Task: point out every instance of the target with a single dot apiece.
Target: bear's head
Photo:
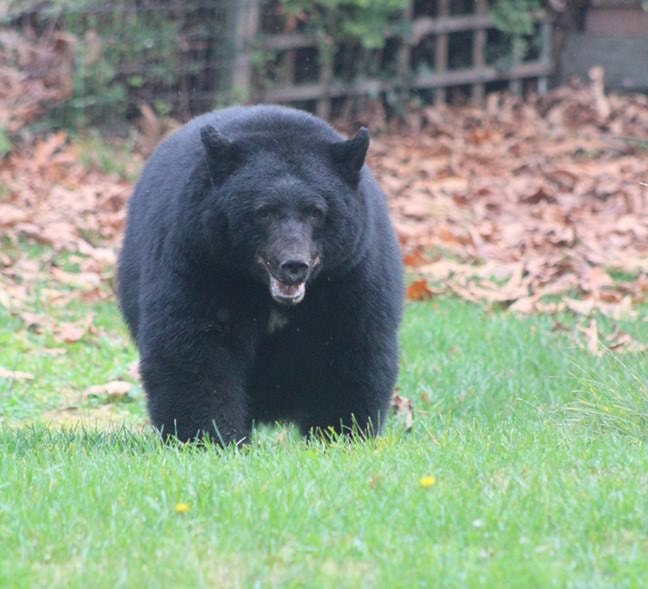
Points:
(290, 203)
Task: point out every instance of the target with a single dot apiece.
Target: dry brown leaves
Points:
(110, 392)
(56, 201)
(15, 374)
(536, 206)
(597, 344)
(49, 197)
(35, 73)
(404, 408)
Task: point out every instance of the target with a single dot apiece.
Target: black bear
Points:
(261, 279)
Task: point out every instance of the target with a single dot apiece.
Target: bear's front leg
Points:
(191, 404)
(352, 409)
(352, 396)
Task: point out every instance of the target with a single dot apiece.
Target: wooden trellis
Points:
(439, 28)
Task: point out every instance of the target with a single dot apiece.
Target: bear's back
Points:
(252, 123)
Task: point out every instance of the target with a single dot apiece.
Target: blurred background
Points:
(109, 63)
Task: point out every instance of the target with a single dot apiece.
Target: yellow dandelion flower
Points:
(182, 507)
(427, 481)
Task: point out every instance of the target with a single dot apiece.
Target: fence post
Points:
(323, 104)
(515, 85)
(245, 31)
(405, 51)
(479, 48)
(441, 54)
(545, 53)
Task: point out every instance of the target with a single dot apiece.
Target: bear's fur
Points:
(237, 217)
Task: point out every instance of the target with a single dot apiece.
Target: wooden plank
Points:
(424, 26)
(315, 90)
(530, 69)
(421, 27)
(616, 3)
(422, 81)
(246, 26)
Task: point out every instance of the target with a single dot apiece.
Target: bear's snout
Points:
(293, 271)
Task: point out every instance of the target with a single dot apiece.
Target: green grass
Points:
(534, 486)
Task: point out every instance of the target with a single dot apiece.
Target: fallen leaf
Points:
(72, 332)
(403, 408)
(15, 374)
(591, 337)
(134, 371)
(79, 280)
(623, 342)
(112, 391)
(69, 332)
(415, 259)
(11, 215)
(54, 352)
(35, 322)
(525, 305)
(418, 290)
(582, 306)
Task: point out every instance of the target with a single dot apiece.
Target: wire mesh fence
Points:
(109, 58)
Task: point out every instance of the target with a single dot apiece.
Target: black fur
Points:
(236, 205)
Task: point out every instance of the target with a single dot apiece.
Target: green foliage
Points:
(129, 51)
(169, 53)
(514, 16)
(366, 21)
(363, 21)
(117, 53)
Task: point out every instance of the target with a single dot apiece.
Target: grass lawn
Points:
(527, 466)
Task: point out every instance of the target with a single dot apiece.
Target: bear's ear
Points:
(350, 155)
(222, 153)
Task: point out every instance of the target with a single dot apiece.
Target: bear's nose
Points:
(293, 271)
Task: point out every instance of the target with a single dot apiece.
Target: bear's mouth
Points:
(287, 294)
(284, 292)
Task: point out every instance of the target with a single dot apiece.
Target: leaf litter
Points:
(536, 206)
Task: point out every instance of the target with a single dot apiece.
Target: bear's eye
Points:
(262, 213)
(316, 213)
